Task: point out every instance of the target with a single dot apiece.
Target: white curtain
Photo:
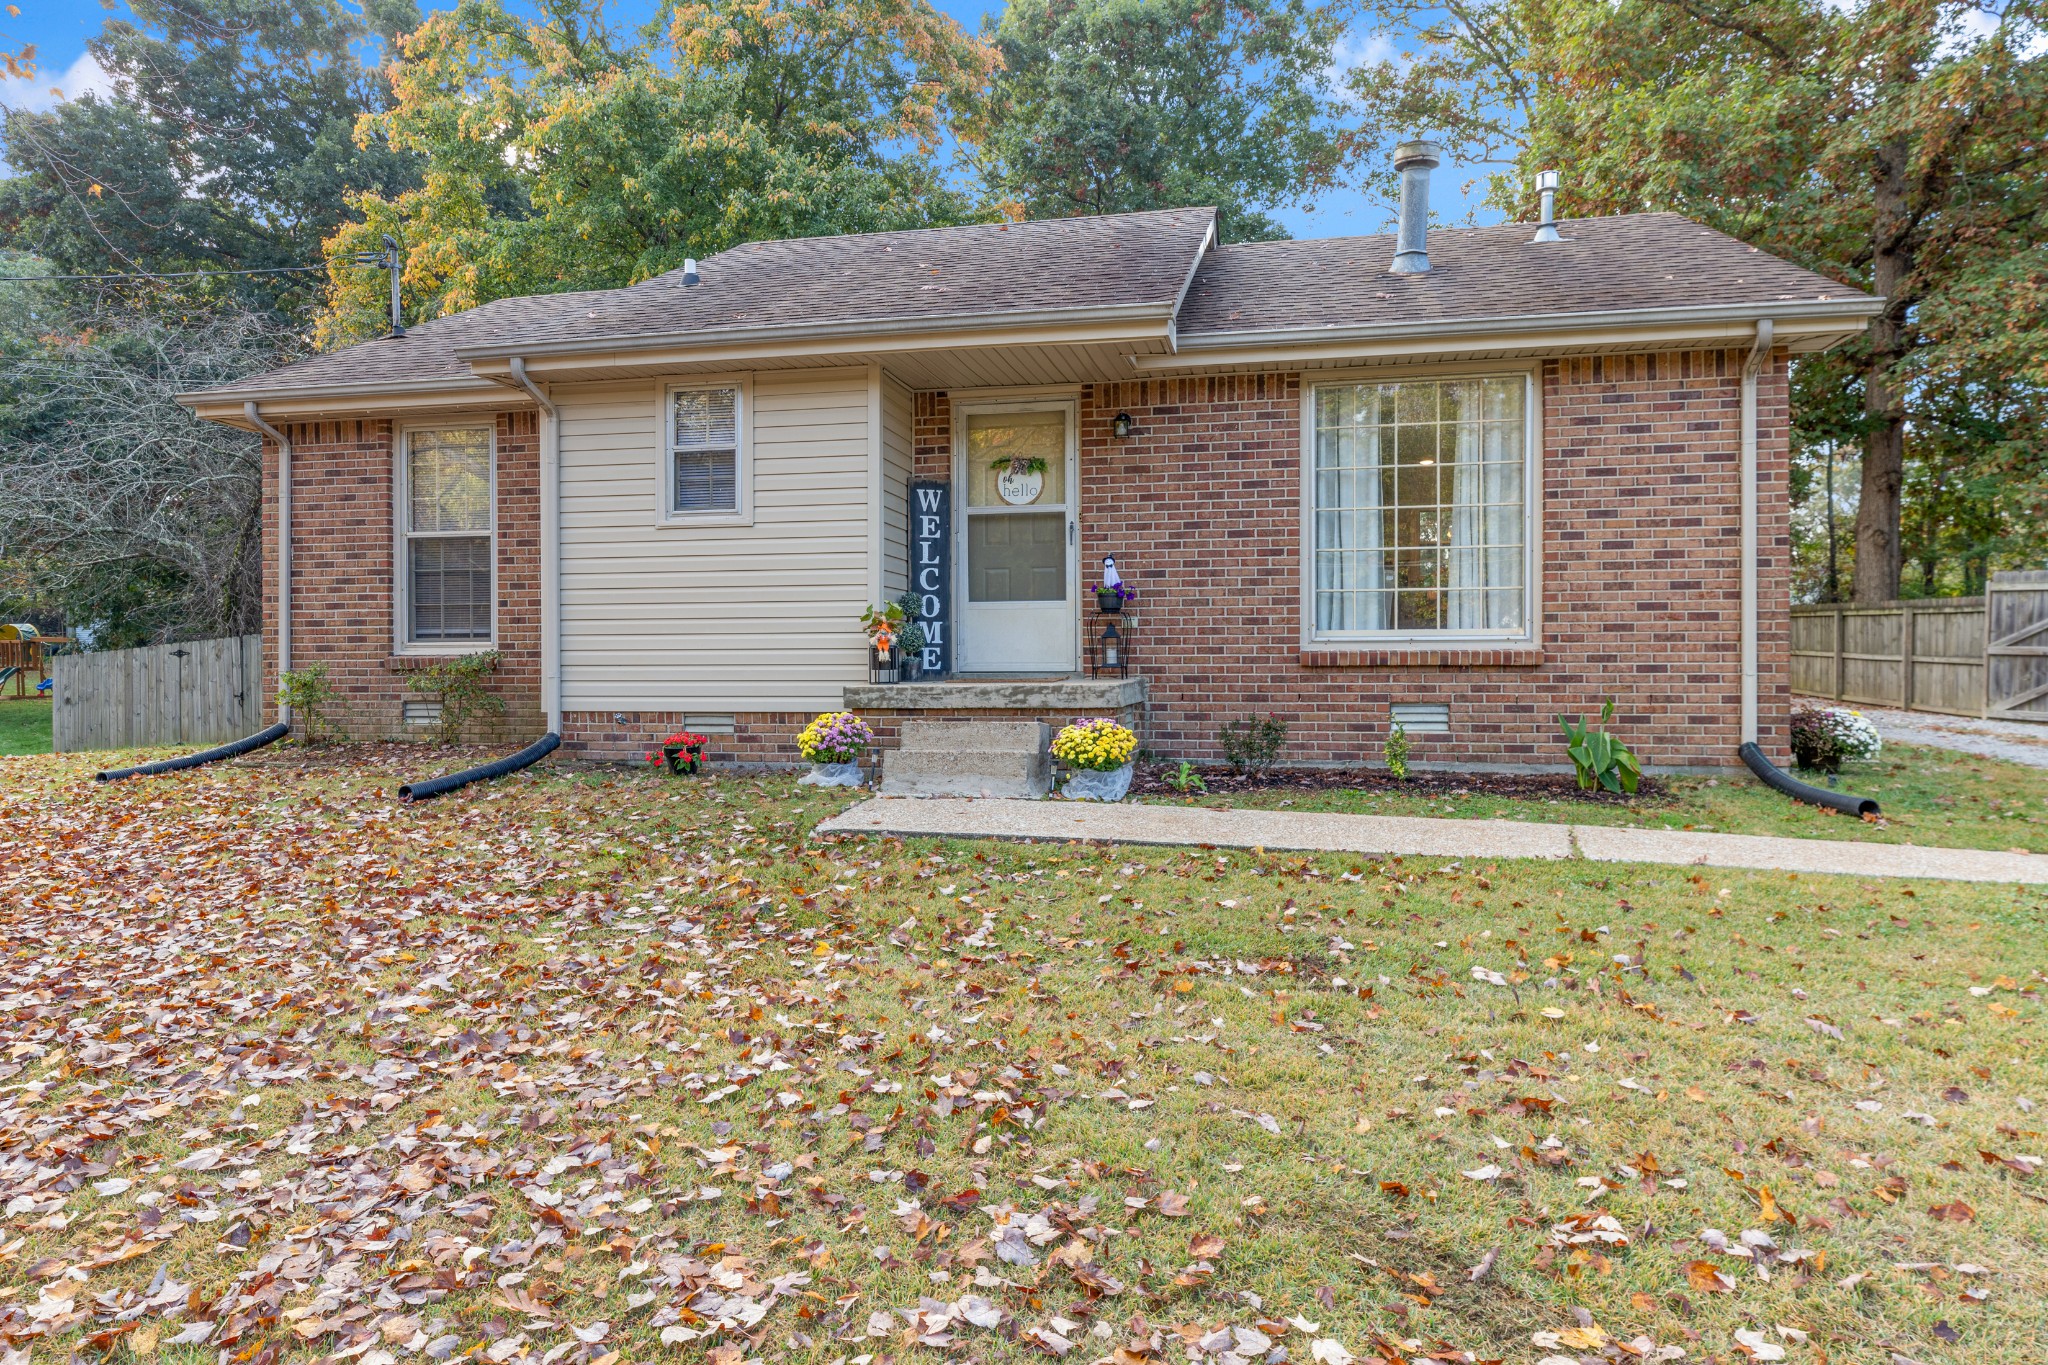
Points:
(1484, 588)
(1350, 565)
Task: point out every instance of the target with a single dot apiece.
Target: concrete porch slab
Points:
(1081, 696)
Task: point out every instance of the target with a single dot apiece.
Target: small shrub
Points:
(1186, 780)
(1096, 746)
(460, 685)
(1253, 744)
(1395, 751)
(307, 693)
(1599, 758)
(1825, 737)
(835, 737)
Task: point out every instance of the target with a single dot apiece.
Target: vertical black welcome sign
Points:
(931, 570)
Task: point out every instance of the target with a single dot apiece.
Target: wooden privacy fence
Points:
(1968, 656)
(195, 693)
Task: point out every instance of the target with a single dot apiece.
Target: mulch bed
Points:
(1151, 780)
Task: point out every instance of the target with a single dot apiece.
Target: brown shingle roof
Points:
(1634, 261)
(1134, 261)
(426, 354)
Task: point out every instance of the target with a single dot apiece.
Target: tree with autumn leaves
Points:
(1897, 146)
(558, 153)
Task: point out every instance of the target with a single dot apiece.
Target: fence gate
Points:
(2016, 645)
(198, 692)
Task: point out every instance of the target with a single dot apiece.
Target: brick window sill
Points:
(1522, 657)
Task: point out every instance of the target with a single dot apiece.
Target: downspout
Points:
(284, 545)
(550, 547)
(1759, 353)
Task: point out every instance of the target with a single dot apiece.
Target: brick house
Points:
(1469, 479)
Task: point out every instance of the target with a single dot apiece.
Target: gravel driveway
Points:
(2016, 741)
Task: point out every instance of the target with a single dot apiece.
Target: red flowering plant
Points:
(682, 751)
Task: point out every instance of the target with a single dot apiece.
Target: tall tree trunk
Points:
(1878, 554)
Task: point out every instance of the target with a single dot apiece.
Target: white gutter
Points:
(1759, 353)
(284, 546)
(550, 548)
(937, 326)
(1854, 308)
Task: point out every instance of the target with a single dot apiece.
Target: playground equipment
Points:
(25, 650)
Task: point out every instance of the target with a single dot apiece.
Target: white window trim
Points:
(1532, 511)
(743, 458)
(401, 562)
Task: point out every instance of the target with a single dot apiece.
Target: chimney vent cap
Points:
(1428, 155)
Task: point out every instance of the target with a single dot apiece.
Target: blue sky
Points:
(59, 29)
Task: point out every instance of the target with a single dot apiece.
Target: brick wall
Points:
(1640, 567)
(343, 482)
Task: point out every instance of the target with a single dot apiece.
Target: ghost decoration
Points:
(1110, 577)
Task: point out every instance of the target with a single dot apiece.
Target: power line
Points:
(166, 275)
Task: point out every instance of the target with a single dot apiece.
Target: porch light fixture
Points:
(1121, 426)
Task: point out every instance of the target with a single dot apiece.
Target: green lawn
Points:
(24, 726)
(1930, 796)
(598, 1066)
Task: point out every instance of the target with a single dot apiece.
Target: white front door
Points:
(1016, 480)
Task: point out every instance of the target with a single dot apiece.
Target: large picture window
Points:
(445, 530)
(1419, 507)
(704, 451)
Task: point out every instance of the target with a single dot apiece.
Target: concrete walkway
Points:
(965, 818)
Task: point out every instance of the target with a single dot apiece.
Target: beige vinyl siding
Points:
(715, 618)
(895, 488)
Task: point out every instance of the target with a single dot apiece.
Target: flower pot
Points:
(1108, 602)
(683, 760)
(1086, 785)
(833, 775)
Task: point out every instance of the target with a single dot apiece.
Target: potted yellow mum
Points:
(1098, 754)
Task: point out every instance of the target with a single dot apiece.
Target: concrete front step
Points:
(966, 772)
(948, 736)
(969, 758)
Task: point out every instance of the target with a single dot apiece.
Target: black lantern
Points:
(1121, 426)
(1113, 649)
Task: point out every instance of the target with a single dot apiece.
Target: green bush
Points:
(1600, 759)
(459, 685)
(1395, 751)
(1253, 744)
(307, 693)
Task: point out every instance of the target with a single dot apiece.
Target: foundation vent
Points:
(422, 712)
(710, 725)
(1420, 717)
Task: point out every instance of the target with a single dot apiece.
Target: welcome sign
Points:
(931, 570)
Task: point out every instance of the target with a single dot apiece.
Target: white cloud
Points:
(48, 88)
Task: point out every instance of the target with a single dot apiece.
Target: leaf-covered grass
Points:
(1933, 797)
(24, 726)
(557, 1067)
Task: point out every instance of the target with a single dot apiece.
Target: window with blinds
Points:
(445, 527)
(704, 451)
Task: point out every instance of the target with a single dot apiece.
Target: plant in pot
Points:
(833, 744)
(1099, 753)
(910, 640)
(1111, 597)
(682, 751)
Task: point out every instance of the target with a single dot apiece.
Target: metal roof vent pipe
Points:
(1414, 160)
(690, 275)
(1546, 189)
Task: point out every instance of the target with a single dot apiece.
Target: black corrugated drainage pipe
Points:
(1800, 791)
(440, 786)
(172, 765)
